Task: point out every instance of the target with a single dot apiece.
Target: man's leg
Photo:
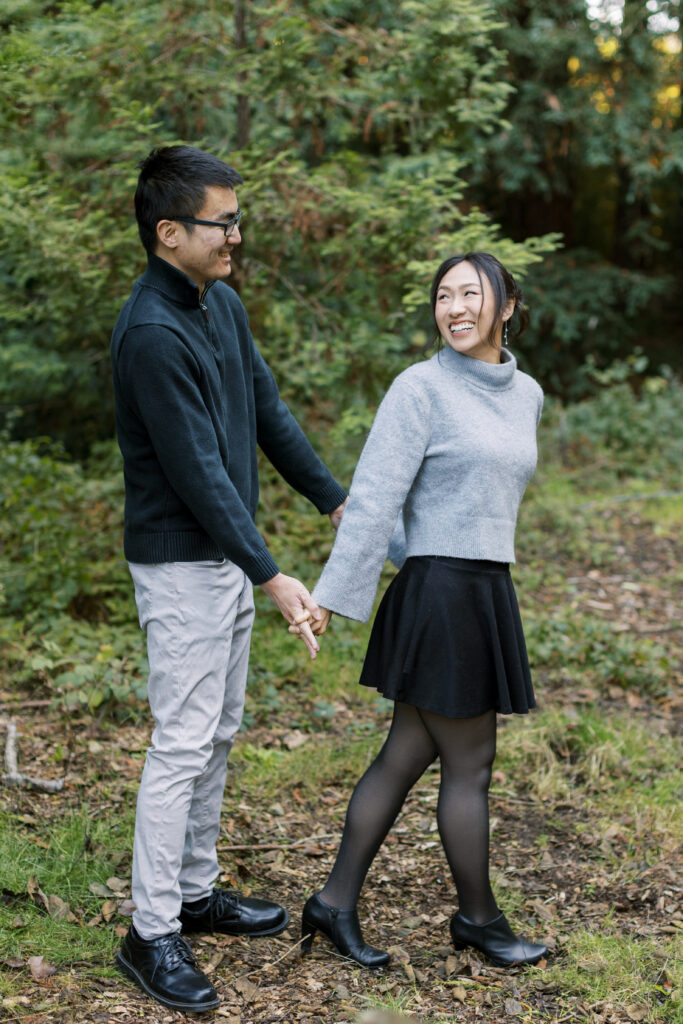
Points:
(189, 611)
(199, 869)
(204, 907)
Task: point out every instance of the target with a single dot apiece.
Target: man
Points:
(193, 399)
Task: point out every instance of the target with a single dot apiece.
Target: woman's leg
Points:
(376, 801)
(466, 748)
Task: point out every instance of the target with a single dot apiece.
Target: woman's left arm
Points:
(388, 465)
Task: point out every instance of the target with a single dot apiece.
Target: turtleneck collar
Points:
(490, 376)
(166, 278)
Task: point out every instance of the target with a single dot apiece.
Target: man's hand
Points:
(336, 516)
(297, 607)
(317, 626)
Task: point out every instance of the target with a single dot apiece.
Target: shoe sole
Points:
(224, 931)
(130, 972)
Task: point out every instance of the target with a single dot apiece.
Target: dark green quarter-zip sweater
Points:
(194, 398)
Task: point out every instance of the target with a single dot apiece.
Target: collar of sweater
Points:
(490, 376)
(173, 283)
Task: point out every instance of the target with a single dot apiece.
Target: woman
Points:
(444, 468)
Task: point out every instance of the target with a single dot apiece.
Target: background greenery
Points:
(374, 138)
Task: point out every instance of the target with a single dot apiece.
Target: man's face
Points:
(202, 252)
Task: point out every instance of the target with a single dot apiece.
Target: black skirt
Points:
(448, 638)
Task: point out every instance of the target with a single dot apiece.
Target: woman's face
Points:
(464, 313)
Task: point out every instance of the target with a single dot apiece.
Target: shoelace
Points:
(176, 952)
(222, 900)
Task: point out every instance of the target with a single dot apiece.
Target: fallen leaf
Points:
(14, 962)
(476, 966)
(57, 908)
(295, 739)
(313, 851)
(513, 1006)
(40, 970)
(637, 1012)
(108, 909)
(127, 908)
(409, 972)
(452, 965)
(459, 993)
(209, 967)
(399, 954)
(117, 885)
(36, 893)
(97, 889)
(409, 924)
(246, 989)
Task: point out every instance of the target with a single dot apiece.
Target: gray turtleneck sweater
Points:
(452, 448)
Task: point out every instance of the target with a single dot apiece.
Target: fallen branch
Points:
(16, 704)
(619, 498)
(12, 776)
(286, 845)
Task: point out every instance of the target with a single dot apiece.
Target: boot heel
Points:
(342, 929)
(307, 935)
(459, 945)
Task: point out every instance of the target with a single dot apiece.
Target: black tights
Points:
(466, 748)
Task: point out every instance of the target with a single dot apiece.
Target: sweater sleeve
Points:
(160, 378)
(540, 406)
(389, 463)
(285, 445)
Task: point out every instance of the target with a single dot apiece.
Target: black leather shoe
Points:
(342, 929)
(496, 939)
(231, 914)
(167, 970)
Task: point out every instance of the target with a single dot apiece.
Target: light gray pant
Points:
(198, 617)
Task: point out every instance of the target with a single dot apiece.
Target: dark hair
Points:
(502, 283)
(172, 183)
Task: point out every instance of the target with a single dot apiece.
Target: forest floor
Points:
(585, 843)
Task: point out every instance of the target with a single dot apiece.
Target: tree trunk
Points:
(242, 97)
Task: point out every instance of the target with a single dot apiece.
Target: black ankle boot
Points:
(342, 929)
(496, 939)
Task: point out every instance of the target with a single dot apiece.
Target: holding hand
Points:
(317, 626)
(297, 607)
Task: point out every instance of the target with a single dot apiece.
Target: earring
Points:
(505, 333)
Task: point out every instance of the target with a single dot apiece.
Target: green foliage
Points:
(67, 614)
(508, 127)
(592, 149)
(592, 756)
(629, 972)
(56, 533)
(617, 432)
(580, 650)
(353, 165)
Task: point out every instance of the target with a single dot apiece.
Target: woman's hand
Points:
(297, 606)
(317, 626)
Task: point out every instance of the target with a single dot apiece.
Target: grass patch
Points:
(588, 756)
(636, 976)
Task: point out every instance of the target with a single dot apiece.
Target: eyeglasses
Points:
(228, 226)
